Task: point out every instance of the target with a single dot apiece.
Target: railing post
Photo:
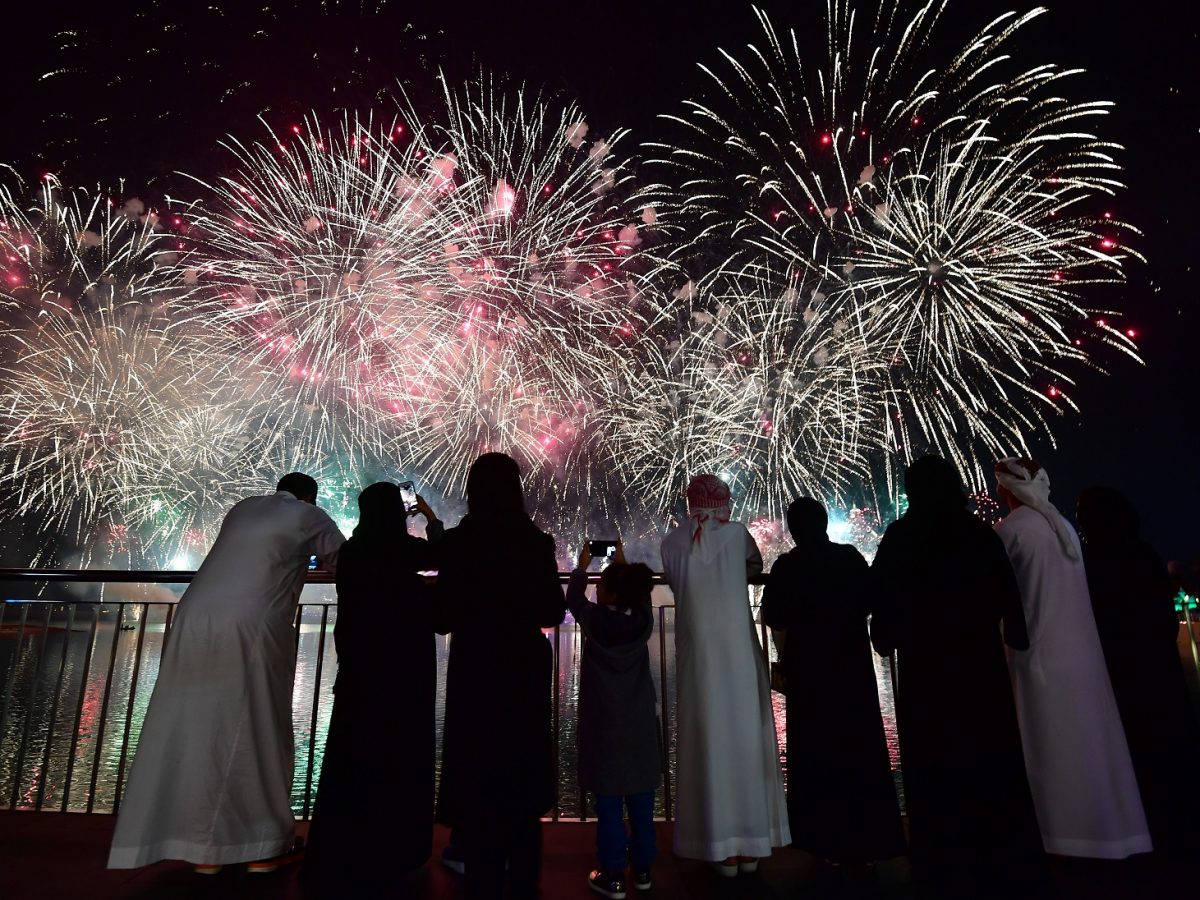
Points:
(9, 680)
(316, 709)
(556, 813)
(58, 686)
(18, 769)
(100, 725)
(133, 683)
(83, 683)
(664, 725)
(577, 654)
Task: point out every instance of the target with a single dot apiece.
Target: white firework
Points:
(945, 208)
(764, 387)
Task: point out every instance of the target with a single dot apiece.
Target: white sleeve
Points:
(326, 542)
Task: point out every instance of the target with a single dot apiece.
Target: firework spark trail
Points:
(537, 317)
(767, 389)
(942, 208)
(426, 290)
(967, 277)
(97, 381)
(848, 264)
(67, 248)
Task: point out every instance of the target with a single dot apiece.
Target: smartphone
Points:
(409, 494)
(602, 549)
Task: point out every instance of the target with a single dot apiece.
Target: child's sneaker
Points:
(610, 884)
(641, 879)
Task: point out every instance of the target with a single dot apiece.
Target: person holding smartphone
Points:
(619, 752)
(385, 642)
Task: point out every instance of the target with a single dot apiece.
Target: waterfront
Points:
(95, 664)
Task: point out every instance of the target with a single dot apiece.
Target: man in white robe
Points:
(1084, 788)
(730, 806)
(211, 780)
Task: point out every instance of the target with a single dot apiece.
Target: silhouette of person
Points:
(497, 588)
(211, 782)
(943, 586)
(385, 643)
(841, 795)
(1134, 605)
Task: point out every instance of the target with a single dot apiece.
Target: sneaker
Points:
(263, 866)
(641, 879)
(452, 860)
(207, 870)
(747, 864)
(609, 884)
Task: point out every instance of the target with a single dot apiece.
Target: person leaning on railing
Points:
(211, 781)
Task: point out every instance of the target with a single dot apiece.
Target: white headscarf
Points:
(1034, 491)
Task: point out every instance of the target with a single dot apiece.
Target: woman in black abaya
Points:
(498, 587)
(373, 816)
(841, 797)
(943, 586)
(1134, 605)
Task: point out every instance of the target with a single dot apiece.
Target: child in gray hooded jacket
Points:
(619, 746)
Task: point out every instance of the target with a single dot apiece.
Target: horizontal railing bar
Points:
(183, 576)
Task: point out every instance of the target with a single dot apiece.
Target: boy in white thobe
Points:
(211, 781)
(1084, 788)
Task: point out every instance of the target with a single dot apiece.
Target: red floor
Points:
(53, 855)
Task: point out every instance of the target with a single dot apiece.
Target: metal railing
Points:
(78, 673)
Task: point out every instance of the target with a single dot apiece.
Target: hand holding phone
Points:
(605, 549)
(408, 493)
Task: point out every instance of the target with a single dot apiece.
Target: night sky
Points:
(142, 89)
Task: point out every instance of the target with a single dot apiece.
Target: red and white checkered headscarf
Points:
(708, 504)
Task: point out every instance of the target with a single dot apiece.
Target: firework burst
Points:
(944, 209)
(97, 382)
(764, 388)
(82, 412)
(425, 290)
(536, 312)
(295, 273)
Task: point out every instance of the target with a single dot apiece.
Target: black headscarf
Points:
(1106, 518)
(381, 511)
(933, 487)
(808, 522)
(494, 488)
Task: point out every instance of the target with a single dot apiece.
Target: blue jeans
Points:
(611, 839)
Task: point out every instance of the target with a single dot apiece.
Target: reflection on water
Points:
(96, 665)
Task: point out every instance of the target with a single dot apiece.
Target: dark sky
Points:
(145, 88)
